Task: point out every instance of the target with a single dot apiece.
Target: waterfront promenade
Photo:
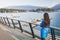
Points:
(22, 30)
(5, 36)
(7, 33)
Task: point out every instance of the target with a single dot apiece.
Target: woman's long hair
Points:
(47, 19)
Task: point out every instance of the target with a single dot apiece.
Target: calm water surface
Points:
(54, 16)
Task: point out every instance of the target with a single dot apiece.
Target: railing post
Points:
(4, 20)
(0, 19)
(20, 26)
(13, 23)
(53, 34)
(32, 30)
(8, 21)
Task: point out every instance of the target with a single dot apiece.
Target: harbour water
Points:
(27, 16)
(54, 17)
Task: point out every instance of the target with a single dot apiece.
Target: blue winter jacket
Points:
(43, 31)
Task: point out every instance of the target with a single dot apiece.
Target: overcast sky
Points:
(44, 3)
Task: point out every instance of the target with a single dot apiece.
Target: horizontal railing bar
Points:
(20, 20)
(55, 28)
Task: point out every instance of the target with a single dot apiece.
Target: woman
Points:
(44, 26)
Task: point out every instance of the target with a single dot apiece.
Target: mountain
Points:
(27, 7)
(56, 7)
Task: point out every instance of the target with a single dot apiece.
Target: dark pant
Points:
(42, 38)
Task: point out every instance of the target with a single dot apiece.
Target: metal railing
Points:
(6, 21)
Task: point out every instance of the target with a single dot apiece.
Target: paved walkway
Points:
(7, 33)
(5, 36)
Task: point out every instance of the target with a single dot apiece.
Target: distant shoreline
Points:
(23, 10)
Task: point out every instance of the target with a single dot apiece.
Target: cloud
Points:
(47, 3)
